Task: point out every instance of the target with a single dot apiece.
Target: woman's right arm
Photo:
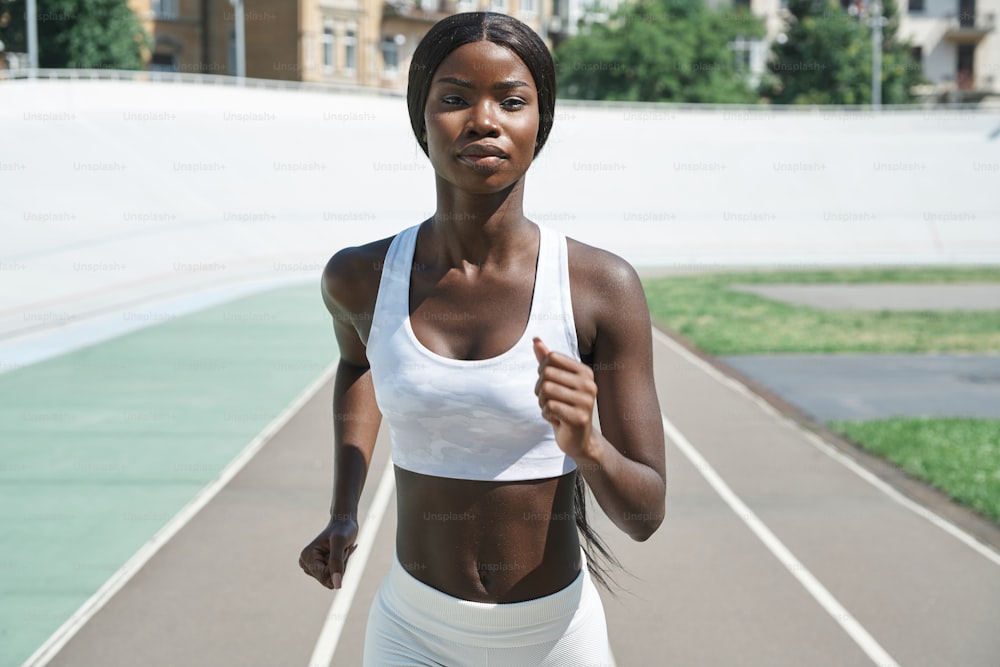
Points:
(347, 294)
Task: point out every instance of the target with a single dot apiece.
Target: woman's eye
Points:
(513, 103)
(452, 99)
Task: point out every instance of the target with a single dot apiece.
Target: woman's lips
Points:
(482, 161)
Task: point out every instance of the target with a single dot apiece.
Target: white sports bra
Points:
(476, 419)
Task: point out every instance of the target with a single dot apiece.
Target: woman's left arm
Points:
(624, 465)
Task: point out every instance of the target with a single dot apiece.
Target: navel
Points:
(485, 576)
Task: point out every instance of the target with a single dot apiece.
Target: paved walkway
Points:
(775, 551)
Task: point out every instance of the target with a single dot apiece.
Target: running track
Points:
(775, 551)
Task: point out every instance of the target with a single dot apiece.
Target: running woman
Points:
(484, 340)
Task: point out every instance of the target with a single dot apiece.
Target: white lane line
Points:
(88, 609)
(819, 592)
(833, 452)
(915, 507)
(326, 645)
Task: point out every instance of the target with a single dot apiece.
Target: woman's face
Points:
(481, 118)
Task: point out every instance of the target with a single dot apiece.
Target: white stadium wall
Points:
(119, 190)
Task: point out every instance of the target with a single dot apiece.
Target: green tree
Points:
(827, 58)
(900, 72)
(660, 50)
(78, 33)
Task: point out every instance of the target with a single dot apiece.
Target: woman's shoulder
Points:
(351, 276)
(594, 268)
(609, 301)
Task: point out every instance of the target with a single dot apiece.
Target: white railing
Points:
(191, 77)
(979, 22)
(699, 107)
(65, 74)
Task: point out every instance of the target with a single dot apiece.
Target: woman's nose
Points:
(482, 121)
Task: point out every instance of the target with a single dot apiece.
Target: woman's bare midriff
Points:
(485, 541)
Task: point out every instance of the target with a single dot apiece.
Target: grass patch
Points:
(718, 320)
(959, 456)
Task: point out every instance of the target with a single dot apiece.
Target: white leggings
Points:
(413, 624)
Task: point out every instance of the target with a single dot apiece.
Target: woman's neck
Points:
(475, 230)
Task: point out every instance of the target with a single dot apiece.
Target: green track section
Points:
(100, 447)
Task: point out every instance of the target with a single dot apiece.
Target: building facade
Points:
(374, 43)
(356, 42)
(956, 42)
(177, 28)
(370, 43)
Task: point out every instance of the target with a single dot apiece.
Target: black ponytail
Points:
(599, 556)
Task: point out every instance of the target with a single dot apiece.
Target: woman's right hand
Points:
(326, 556)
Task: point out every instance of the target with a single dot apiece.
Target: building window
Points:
(741, 47)
(967, 13)
(166, 55)
(916, 5)
(232, 51)
(163, 62)
(390, 56)
(328, 57)
(498, 6)
(966, 72)
(529, 7)
(350, 50)
(466, 5)
(165, 9)
(749, 58)
(917, 53)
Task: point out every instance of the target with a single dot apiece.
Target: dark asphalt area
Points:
(879, 386)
